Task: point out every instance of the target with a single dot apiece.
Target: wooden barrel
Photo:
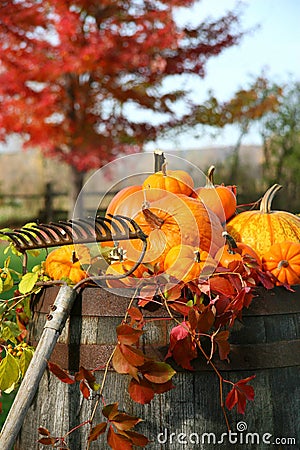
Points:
(265, 343)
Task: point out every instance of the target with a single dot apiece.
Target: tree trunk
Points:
(76, 206)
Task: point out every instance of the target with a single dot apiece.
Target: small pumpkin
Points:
(262, 228)
(235, 251)
(187, 263)
(220, 198)
(66, 262)
(283, 261)
(176, 181)
(118, 268)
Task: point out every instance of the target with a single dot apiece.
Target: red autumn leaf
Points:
(137, 439)
(157, 372)
(123, 421)
(141, 391)
(47, 441)
(135, 314)
(122, 365)
(63, 375)
(206, 320)
(172, 292)
(221, 285)
(96, 431)
(181, 347)
(109, 411)
(221, 339)
(84, 389)
(43, 431)
(239, 394)
(88, 376)
(193, 317)
(180, 306)
(133, 355)
(118, 441)
(160, 388)
(128, 335)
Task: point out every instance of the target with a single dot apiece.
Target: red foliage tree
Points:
(71, 70)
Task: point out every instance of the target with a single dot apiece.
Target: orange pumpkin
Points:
(127, 202)
(66, 262)
(120, 268)
(262, 228)
(219, 199)
(283, 261)
(173, 220)
(187, 263)
(234, 251)
(176, 181)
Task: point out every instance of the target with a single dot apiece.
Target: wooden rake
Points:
(75, 231)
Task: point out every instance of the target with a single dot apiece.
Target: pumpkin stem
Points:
(230, 241)
(145, 203)
(75, 258)
(210, 177)
(197, 256)
(283, 263)
(164, 168)
(265, 205)
(159, 159)
(152, 218)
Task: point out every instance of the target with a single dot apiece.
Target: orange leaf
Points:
(123, 421)
(141, 391)
(63, 376)
(157, 372)
(118, 442)
(136, 438)
(128, 335)
(97, 431)
(109, 411)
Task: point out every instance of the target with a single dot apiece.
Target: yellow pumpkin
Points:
(176, 181)
(187, 263)
(262, 228)
(66, 262)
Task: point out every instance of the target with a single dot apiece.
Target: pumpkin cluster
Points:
(192, 231)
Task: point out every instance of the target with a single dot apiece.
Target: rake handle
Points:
(52, 329)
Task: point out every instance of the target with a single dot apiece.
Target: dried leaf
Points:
(205, 320)
(136, 438)
(141, 391)
(61, 374)
(123, 421)
(221, 339)
(109, 411)
(157, 372)
(118, 441)
(43, 431)
(96, 431)
(128, 335)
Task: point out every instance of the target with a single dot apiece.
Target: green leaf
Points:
(25, 359)
(9, 331)
(9, 372)
(27, 282)
(7, 279)
(1, 285)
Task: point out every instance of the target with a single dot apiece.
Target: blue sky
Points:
(273, 47)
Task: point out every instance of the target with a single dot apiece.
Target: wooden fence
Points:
(51, 205)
